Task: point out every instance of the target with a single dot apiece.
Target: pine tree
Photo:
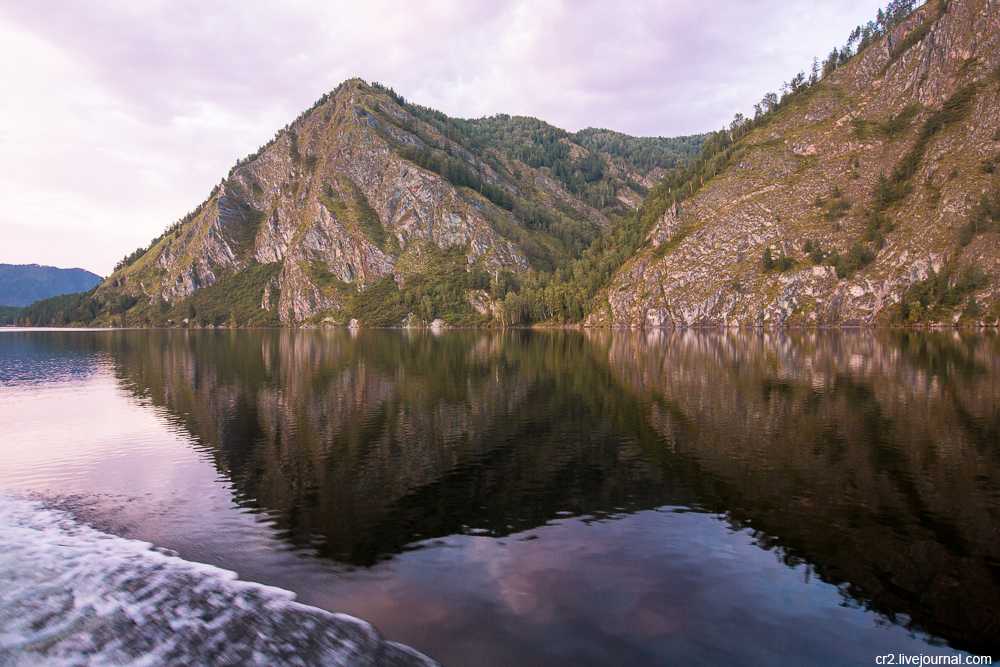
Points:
(831, 62)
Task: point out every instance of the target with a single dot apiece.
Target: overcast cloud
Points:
(116, 118)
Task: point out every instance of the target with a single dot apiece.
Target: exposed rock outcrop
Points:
(703, 261)
(349, 193)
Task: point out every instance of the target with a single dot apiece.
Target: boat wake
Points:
(70, 594)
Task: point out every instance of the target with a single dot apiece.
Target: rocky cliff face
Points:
(921, 107)
(338, 202)
(301, 204)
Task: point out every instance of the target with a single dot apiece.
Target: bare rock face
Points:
(364, 186)
(334, 205)
(702, 263)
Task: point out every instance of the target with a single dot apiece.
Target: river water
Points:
(498, 498)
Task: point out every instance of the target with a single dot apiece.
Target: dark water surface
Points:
(547, 498)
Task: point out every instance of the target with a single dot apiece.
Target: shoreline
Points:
(848, 326)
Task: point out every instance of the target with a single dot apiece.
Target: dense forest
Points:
(540, 145)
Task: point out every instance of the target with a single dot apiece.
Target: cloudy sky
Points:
(116, 118)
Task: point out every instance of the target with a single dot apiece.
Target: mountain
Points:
(22, 284)
(370, 207)
(871, 196)
(866, 193)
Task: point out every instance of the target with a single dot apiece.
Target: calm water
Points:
(546, 498)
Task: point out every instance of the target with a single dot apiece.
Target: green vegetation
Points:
(457, 172)
(913, 37)
(896, 187)
(885, 20)
(233, 300)
(333, 203)
(780, 265)
(9, 314)
(356, 211)
(890, 129)
(244, 233)
(642, 153)
(134, 256)
(835, 206)
(876, 227)
(540, 145)
(892, 189)
(568, 293)
(814, 251)
(378, 305)
(718, 151)
(324, 279)
(985, 218)
(434, 285)
(555, 230)
(75, 308)
(936, 297)
(858, 257)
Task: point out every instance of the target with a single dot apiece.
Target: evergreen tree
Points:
(767, 261)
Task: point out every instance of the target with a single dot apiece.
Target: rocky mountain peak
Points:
(366, 197)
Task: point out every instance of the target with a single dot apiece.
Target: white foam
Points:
(70, 595)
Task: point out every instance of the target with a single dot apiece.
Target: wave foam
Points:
(70, 594)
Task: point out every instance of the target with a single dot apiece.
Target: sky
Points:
(117, 118)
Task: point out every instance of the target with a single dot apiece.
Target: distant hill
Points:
(23, 284)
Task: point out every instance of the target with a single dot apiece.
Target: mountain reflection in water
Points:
(871, 460)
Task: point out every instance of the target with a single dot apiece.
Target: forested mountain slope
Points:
(370, 207)
(870, 196)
